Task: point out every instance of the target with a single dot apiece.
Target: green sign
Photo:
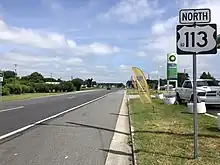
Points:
(171, 71)
(171, 66)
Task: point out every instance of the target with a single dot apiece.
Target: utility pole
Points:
(15, 70)
(51, 77)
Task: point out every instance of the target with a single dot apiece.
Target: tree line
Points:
(153, 84)
(35, 82)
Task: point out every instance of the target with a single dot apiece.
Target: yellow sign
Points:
(142, 85)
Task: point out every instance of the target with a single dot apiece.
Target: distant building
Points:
(52, 82)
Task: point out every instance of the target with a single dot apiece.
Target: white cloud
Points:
(141, 54)
(101, 66)
(50, 40)
(163, 39)
(132, 11)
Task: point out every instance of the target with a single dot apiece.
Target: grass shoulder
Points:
(164, 135)
(27, 96)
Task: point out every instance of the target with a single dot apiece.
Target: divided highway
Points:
(80, 137)
(17, 114)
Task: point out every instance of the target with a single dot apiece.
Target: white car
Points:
(208, 91)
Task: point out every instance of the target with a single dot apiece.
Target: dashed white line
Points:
(49, 118)
(11, 109)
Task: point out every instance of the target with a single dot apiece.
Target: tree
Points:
(9, 74)
(34, 77)
(129, 84)
(89, 82)
(205, 75)
(77, 82)
(182, 77)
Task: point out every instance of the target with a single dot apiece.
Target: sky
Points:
(99, 39)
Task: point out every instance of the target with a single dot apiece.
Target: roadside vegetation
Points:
(35, 85)
(164, 135)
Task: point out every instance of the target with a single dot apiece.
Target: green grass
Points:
(26, 96)
(165, 135)
(132, 92)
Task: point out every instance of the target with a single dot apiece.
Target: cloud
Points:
(163, 39)
(53, 5)
(101, 66)
(50, 40)
(141, 54)
(132, 11)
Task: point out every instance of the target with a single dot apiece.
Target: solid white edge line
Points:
(207, 114)
(51, 117)
(11, 109)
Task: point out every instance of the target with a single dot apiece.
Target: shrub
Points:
(67, 86)
(14, 88)
(5, 91)
(57, 88)
(39, 87)
(25, 89)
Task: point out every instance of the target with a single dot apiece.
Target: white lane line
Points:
(49, 118)
(71, 97)
(207, 114)
(11, 109)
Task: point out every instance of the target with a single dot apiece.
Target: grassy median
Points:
(165, 135)
(26, 96)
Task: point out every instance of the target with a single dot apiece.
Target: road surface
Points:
(17, 114)
(80, 137)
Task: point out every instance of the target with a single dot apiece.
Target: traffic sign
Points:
(190, 16)
(196, 39)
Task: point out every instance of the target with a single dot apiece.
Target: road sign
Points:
(199, 39)
(190, 16)
(1, 76)
(171, 66)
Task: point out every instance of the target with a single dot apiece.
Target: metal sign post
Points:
(197, 37)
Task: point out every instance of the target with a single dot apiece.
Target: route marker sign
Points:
(190, 16)
(199, 39)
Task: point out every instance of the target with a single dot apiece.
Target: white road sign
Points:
(190, 16)
(199, 39)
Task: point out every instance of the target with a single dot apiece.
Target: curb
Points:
(131, 132)
(119, 142)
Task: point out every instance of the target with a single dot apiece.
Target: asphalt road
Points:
(17, 114)
(80, 137)
(213, 109)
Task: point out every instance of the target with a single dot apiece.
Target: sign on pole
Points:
(197, 37)
(191, 16)
(171, 66)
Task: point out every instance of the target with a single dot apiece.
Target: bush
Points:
(67, 86)
(57, 88)
(25, 89)
(5, 91)
(32, 89)
(14, 88)
(39, 87)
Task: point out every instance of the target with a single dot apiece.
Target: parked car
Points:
(208, 91)
(108, 88)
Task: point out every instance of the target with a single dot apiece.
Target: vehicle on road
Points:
(108, 88)
(208, 91)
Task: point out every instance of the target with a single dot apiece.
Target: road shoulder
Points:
(120, 152)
